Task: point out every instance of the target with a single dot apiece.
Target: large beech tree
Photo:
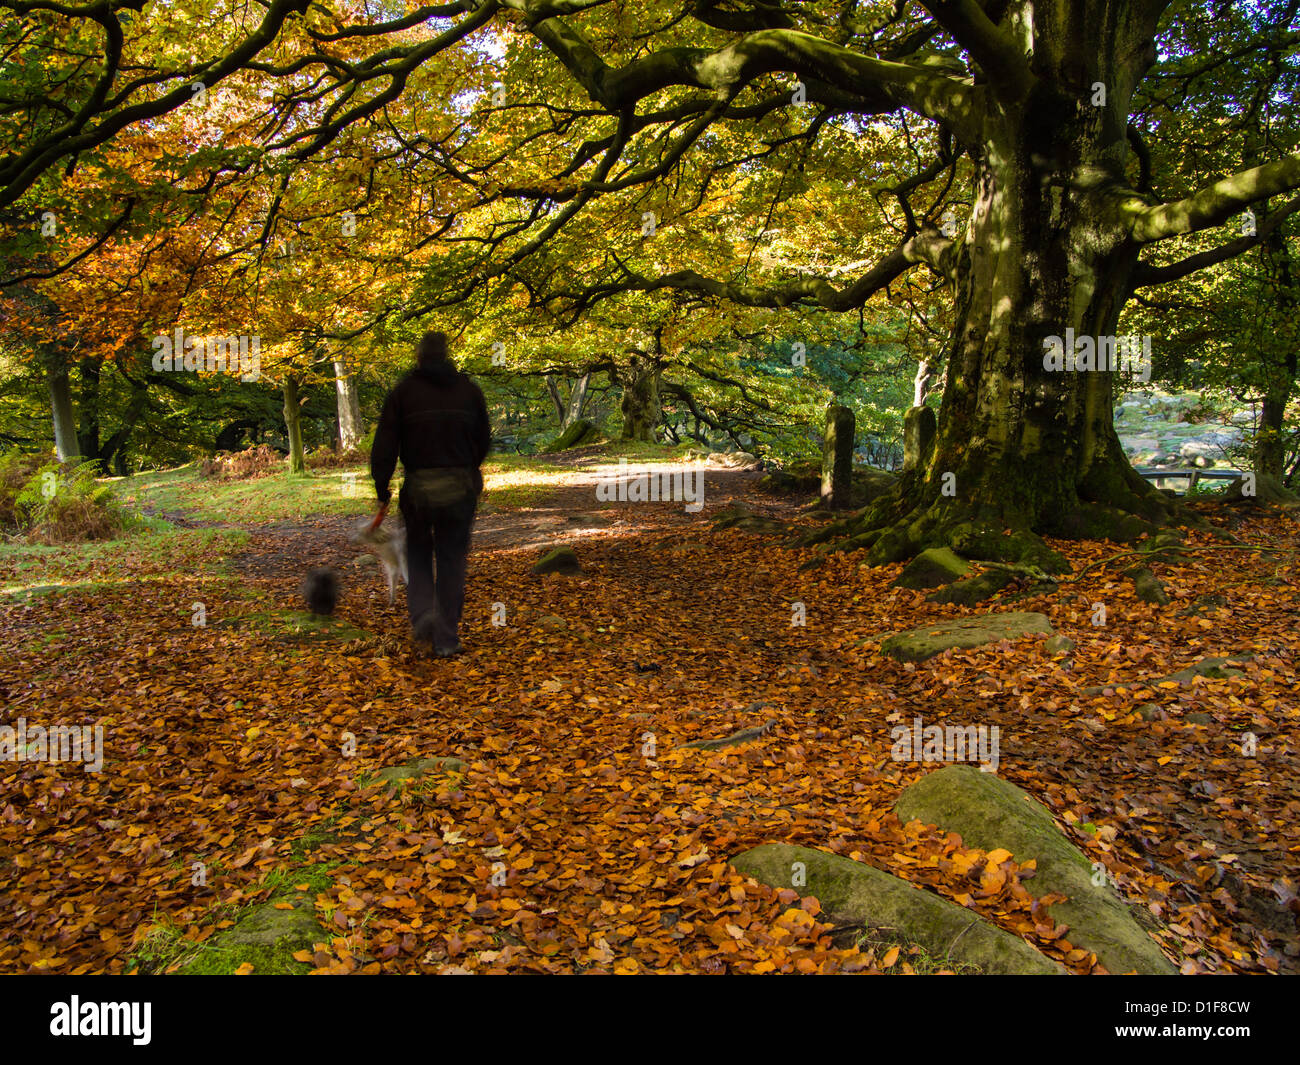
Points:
(1059, 233)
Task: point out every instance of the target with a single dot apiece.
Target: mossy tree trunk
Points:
(641, 406)
(66, 446)
(1020, 448)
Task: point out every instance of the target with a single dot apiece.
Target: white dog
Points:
(389, 546)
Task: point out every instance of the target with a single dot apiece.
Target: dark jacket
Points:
(433, 418)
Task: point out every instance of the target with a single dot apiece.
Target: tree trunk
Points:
(349, 417)
(65, 423)
(1023, 448)
(641, 407)
(293, 425)
(88, 435)
(570, 410)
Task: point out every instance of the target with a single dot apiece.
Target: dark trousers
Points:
(437, 532)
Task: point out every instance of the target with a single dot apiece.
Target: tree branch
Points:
(1217, 203)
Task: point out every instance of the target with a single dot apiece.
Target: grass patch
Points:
(260, 934)
(155, 551)
(295, 625)
(276, 497)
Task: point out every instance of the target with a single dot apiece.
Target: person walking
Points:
(435, 420)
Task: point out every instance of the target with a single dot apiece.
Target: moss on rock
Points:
(932, 568)
(924, 642)
(857, 893)
(990, 813)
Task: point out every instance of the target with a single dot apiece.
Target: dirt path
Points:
(565, 514)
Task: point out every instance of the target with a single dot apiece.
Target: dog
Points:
(321, 589)
(389, 546)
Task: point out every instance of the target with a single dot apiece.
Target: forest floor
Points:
(580, 833)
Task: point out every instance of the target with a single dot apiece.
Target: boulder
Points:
(857, 893)
(1058, 645)
(733, 460)
(990, 813)
(559, 560)
(932, 568)
(925, 641)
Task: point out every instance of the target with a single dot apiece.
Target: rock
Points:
(733, 460)
(559, 560)
(1058, 645)
(932, 568)
(924, 642)
(745, 735)
(857, 893)
(990, 813)
(265, 937)
(1215, 668)
(552, 623)
(401, 774)
(742, 517)
(1198, 718)
(1151, 712)
(837, 457)
(365, 560)
(919, 425)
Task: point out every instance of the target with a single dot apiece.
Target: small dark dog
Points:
(321, 590)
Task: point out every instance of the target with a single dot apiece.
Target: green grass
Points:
(151, 551)
(275, 497)
(510, 481)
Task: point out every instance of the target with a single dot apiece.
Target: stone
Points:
(265, 937)
(837, 457)
(558, 560)
(991, 813)
(932, 568)
(745, 735)
(414, 770)
(1058, 645)
(552, 623)
(1198, 717)
(1215, 668)
(918, 437)
(1151, 712)
(854, 893)
(734, 460)
(926, 641)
